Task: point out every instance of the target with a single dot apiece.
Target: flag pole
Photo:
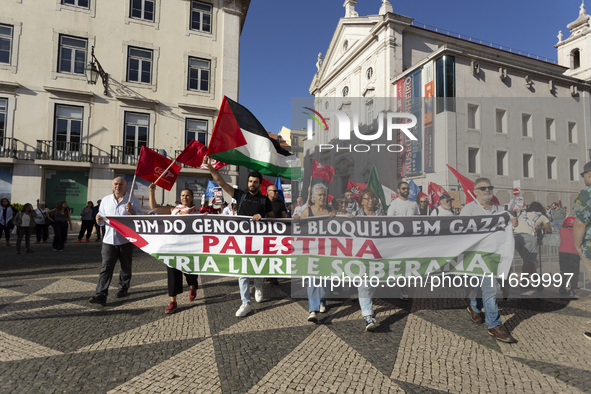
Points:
(132, 185)
(165, 171)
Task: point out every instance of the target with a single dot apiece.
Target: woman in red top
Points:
(568, 258)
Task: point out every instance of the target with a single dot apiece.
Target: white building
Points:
(169, 64)
(488, 111)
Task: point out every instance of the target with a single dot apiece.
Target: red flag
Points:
(434, 191)
(468, 186)
(264, 186)
(151, 164)
(356, 188)
(330, 197)
(193, 155)
(322, 171)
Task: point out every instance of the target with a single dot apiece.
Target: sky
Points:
(281, 39)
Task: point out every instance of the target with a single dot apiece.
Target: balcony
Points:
(8, 147)
(63, 151)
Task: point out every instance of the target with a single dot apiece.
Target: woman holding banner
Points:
(175, 277)
(319, 196)
(368, 207)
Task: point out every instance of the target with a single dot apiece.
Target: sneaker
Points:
(370, 323)
(312, 317)
(322, 308)
(171, 308)
(87, 240)
(587, 335)
(244, 309)
(501, 334)
(29, 251)
(79, 240)
(404, 295)
(258, 294)
(98, 300)
(192, 294)
(572, 293)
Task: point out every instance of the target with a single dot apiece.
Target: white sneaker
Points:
(258, 294)
(322, 308)
(244, 310)
(312, 318)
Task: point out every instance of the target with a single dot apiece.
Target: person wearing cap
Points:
(582, 228)
(568, 258)
(444, 208)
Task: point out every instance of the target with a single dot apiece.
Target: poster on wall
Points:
(400, 108)
(412, 104)
(6, 183)
(428, 101)
(69, 186)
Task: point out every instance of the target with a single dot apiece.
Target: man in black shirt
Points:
(250, 203)
(279, 209)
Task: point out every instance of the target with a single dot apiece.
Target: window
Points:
(139, 65)
(572, 132)
(445, 88)
(68, 127)
(142, 9)
(369, 110)
(196, 129)
(527, 166)
(3, 114)
(574, 169)
(369, 73)
(575, 58)
(201, 16)
(72, 55)
(345, 91)
(473, 117)
(199, 71)
(526, 127)
(551, 167)
(77, 3)
(136, 132)
(550, 130)
(345, 46)
(5, 43)
(501, 162)
(473, 160)
(501, 121)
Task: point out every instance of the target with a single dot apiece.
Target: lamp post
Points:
(94, 69)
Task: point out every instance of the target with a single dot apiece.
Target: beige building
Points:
(165, 67)
(484, 110)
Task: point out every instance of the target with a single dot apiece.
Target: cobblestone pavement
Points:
(53, 340)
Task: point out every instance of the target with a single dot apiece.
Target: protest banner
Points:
(380, 247)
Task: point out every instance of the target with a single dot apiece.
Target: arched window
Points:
(575, 58)
(345, 45)
(345, 91)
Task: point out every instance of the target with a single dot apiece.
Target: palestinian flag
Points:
(239, 138)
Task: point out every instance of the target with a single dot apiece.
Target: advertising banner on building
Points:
(69, 186)
(400, 141)
(413, 104)
(428, 111)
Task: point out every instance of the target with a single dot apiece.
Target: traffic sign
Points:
(516, 192)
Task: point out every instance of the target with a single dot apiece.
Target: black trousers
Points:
(175, 281)
(60, 233)
(42, 232)
(86, 226)
(110, 255)
(569, 264)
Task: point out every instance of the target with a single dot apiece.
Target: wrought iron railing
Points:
(8, 147)
(63, 151)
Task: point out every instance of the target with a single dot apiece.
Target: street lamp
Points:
(94, 69)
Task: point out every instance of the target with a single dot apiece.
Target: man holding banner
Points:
(250, 203)
(115, 246)
(482, 205)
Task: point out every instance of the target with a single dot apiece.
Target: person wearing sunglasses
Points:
(483, 205)
(582, 227)
(444, 208)
(424, 208)
(402, 206)
(279, 209)
(339, 206)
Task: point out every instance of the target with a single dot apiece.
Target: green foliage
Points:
(17, 206)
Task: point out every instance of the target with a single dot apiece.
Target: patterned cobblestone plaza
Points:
(53, 340)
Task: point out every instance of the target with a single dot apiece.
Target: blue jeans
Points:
(365, 301)
(315, 296)
(488, 301)
(243, 282)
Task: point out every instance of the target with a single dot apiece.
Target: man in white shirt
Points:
(402, 206)
(300, 207)
(115, 246)
(444, 208)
